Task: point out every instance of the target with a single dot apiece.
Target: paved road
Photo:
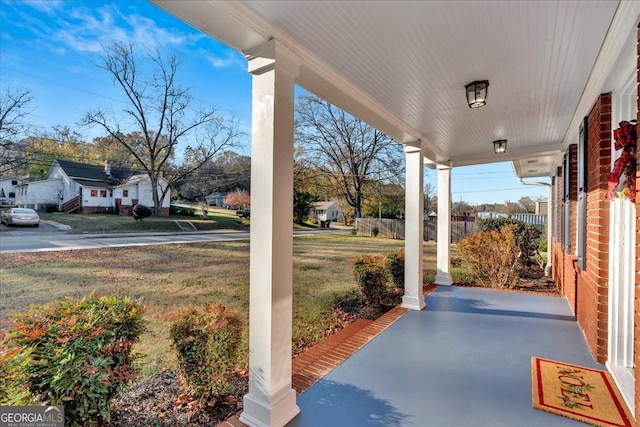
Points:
(50, 239)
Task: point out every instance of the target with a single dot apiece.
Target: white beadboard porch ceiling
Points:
(402, 65)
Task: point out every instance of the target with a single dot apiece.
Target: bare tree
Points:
(228, 171)
(160, 112)
(14, 111)
(527, 204)
(430, 198)
(349, 152)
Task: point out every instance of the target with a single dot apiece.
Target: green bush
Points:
(140, 212)
(395, 266)
(491, 256)
(72, 353)
(375, 231)
(527, 236)
(542, 242)
(207, 341)
(182, 210)
(371, 275)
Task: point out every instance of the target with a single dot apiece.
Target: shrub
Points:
(492, 257)
(49, 207)
(72, 353)
(395, 266)
(526, 235)
(375, 231)
(207, 341)
(141, 211)
(182, 210)
(542, 242)
(370, 273)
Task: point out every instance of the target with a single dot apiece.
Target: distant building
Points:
(8, 187)
(491, 215)
(217, 199)
(85, 188)
(542, 207)
(325, 211)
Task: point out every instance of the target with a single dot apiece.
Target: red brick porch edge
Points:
(308, 367)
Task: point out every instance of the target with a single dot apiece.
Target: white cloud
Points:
(228, 59)
(85, 29)
(47, 6)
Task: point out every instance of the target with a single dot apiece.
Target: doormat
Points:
(576, 392)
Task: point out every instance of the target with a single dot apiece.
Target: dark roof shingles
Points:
(93, 172)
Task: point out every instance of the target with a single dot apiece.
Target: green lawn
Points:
(169, 277)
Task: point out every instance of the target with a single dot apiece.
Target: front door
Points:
(622, 254)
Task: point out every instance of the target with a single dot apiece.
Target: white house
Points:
(86, 188)
(8, 186)
(217, 199)
(39, 194)
(326, 211)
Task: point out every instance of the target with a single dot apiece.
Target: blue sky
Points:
(51, 47)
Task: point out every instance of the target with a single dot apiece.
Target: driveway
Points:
(26, 230)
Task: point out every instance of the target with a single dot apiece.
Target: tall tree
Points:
(384, 200)
(347, 151)
(160, 112)
(61, 142)
(430, 198)
(527, 205)
(226, 172)
(15, 108)
(108, 149)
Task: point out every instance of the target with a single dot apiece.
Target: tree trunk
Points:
(157, 208)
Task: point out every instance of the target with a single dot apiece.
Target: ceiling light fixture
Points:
(477, 93)
(500, 146)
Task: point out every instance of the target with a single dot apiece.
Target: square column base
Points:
(413, 303)
(443, 278)
(258, 413)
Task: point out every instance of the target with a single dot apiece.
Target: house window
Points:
(12, 195)
(125, 193)
(94, 193)
(581, 238)
(14, 182)
(103, 193)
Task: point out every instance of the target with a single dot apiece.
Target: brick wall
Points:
(587, 291)
(97, 210)
(593, 282)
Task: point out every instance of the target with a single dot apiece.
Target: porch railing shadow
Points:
(479, 306)
(338, 404)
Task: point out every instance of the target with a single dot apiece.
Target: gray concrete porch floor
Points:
(463, 361)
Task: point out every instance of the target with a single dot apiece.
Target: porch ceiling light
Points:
(500, 146)
(477, 93)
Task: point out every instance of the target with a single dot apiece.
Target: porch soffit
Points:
(402, 66)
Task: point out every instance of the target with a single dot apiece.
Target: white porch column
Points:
(271, 400)
(414, 227)
(443, 264)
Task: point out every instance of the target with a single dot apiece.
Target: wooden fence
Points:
(394, 228)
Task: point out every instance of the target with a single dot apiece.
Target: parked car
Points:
(244, 213)
(20, 216)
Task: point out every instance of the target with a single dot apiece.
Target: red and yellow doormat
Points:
(576, 392)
